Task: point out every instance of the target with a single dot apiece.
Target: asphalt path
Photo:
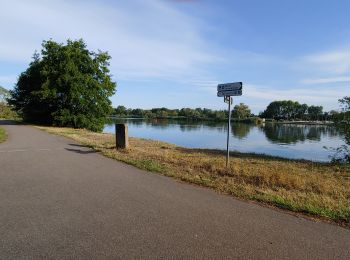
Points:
(61, 200)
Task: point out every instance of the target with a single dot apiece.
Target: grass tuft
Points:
(3, 135)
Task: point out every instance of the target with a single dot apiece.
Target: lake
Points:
(284, 140)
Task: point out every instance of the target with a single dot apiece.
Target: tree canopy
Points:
(241, 111)
(288, 109)
(67, 85)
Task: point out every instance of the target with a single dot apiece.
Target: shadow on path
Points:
(87, 149)
(80, 151)
(80, 145)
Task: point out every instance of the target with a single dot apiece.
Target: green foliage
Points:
(67, 86)
(241, 111)
(189, 113)
(315, 112)
(284, 109)
(6, 112)
(3, 135)
(288, 109)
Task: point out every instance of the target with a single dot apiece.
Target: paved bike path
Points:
(60, 200)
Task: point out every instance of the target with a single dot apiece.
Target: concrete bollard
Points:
(121, 136)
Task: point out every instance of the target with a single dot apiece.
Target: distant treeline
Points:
(189, 113)
(276, 110)
(293, 110)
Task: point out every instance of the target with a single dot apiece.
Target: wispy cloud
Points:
(326, 80)
(208, 84)
(265, 94)
(325, 76)
(333, 62)
(130, 31)
(159, 41)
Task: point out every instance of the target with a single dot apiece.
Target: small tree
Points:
(241, 111)
(67, 86)
(6, 111)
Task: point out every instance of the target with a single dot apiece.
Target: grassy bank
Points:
(321, 190)
(3, 135)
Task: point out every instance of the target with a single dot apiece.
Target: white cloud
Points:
(333, 62)
(326, 96)
(152, 40)
(208, 84)
(145, 38)
(326, 80)
(326, 76)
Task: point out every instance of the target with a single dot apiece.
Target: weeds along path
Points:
(3, 135)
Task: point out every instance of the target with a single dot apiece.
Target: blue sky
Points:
(168, 53)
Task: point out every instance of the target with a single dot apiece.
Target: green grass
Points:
(3, 135)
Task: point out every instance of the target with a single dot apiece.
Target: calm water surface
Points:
(290, 141)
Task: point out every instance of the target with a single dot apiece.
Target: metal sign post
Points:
(228, 100)
(227, 90)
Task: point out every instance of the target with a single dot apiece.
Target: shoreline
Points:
(253, 120)
(303, 123)
(315, 189)
(237, 152)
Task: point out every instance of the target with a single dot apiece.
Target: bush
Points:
(6, 112)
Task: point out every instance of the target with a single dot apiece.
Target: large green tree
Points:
(288, 109)
(67, 85)
(279, 109)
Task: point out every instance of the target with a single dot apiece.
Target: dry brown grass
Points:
(321, 190)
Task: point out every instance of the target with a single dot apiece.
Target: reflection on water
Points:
(240, 130)
(288, 134)
(290, 141)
